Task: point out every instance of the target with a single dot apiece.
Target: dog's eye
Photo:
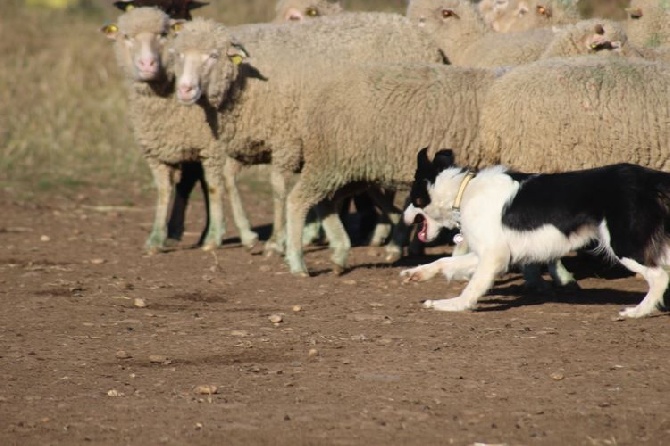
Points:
(419, 202)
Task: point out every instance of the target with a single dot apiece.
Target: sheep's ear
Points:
(634, 13)
(544, 11)
(111, 30)
(196, 5)
(125, 5)
(176, 25)
(236, 53)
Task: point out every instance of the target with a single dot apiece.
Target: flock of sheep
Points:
(345, 100)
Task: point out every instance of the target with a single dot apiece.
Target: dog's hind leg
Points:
(657, 278)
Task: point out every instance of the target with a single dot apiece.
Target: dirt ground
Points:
(361, 362)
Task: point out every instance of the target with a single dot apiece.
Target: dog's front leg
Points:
(482, 280)
(449, 266)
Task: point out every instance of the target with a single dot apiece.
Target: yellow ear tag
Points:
(236, 59)
(110, 29)
(129, 6)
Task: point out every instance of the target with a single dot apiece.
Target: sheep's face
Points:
(298, 11)
(193, 70)
(441, 15)
(521, 15)
(140, 40)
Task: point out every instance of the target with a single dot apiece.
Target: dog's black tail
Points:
(660, 240)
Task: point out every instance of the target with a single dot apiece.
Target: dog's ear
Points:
(443, 160)
(423, 164)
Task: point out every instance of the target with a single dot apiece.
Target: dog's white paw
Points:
(418, 274)
(454, 304)
(636, 312)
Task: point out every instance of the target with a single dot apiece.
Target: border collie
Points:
(519, 218)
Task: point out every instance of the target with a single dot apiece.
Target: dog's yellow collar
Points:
(459, 196)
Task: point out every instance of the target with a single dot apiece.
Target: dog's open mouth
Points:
(423, 229)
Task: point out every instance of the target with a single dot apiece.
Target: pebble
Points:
(139, 302)
(240, 333)
(114, 392)
(297, 308)
(275, 318)
(122, 354)
(557, 376)
(98, 261)
(158, 359)
(312, 352)
(45, 238)
(206, 389)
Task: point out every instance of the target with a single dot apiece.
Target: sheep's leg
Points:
(560, 274)
(338, 240)
(215, 188)
(162, 174)
(277, 241)
(484, 273)
(384, 200)
(191, 173)
(312, 231)
(230, 170)
(298, 203)
(657, 278)
(385, 225)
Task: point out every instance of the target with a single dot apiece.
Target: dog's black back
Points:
(633, 201)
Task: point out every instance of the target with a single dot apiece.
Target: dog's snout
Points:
(418, 219)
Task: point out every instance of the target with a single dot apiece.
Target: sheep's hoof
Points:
(171, 243)
(209, 247)
(572, 285)
(338, 270)
(153, 250)
(392, 257)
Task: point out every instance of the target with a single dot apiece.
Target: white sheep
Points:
(594, 36)
(258, 118)
(298, 11)
(373, 136)
(170, 135)
(566, 114)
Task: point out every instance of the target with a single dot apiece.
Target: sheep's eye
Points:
(127, 37)
(214, 56)
(311, 12)
(446, 13)
(163, 35)
(523, 11)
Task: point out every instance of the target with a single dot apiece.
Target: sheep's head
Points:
(437, 15)
(521, 15)
(206, 60)
(298, 11)
(598, 35)
(177, 9)
(140, 37)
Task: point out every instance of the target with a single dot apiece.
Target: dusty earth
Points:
(361, 362)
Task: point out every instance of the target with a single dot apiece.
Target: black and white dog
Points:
(508, 218)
